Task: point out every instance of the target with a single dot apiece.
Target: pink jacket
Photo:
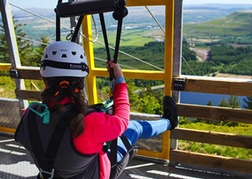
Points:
(100, 127)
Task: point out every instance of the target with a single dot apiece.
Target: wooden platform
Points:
(15, 163)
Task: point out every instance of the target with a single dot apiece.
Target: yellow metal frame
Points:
(5, 66)
(165, 75)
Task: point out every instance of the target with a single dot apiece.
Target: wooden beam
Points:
(211, 161)
(229, 86)
(29, 73)
(240, 87)
(217, 113)
(29, 95)
(212, 137)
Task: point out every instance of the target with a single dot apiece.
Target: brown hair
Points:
(57, 88)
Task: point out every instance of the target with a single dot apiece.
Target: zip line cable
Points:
(188, 65)
(164, 34)
(100, 59)
(29, 39)
(155, 19)
(96, 30)
(138, 59)
(37, 15)
(94, 41)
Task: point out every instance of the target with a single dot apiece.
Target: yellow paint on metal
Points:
(7, 130)
(5, 66)
(165, 75)
(146, 2)
(88, 48)
(135, 74)
(168, 66)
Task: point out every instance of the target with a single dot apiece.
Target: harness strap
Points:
(126, 142)
(36, 143)
(121, 14)
(46, 159)
(113, 148)
(65, 65)
(58, 24)
(57, 136)
(104, 35)
(111, 74)
(77, 28)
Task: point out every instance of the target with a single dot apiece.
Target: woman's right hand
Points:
(116, 69)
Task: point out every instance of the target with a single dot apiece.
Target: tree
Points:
(149, 101)
(223, 103)
(187, 53)
(210, 103)
(4, 55)
(234, 102)
(38, 52)
(133, 96)
(248, 102)
(24, 45)
(150, 104)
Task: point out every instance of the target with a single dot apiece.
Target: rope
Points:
(131, 56)
(96, 32)
(164, 32)
(188, 65)
(37, 15)
(155, 19)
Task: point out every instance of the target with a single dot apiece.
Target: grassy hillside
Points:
(236, 24)
(139, 18)
(243, 67)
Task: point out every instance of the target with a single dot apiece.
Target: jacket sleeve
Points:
(109, 127)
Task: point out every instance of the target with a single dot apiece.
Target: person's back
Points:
(68, 163)
(80, 149)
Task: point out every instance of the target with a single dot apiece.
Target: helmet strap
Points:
(64, 65)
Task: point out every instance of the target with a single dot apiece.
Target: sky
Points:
(52, 3)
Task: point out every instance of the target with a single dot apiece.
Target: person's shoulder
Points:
(94, 118)
(91, 111)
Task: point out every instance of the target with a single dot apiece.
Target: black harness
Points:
(45, 159)
(87, 7)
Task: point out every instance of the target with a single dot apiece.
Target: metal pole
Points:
(12, 45)
(177, 52)
(73, 23)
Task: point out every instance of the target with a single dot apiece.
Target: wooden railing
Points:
(228, 86)
(196, 84)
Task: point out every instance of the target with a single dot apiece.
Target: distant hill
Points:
(236, 24)
(202, 20)
(206, 12)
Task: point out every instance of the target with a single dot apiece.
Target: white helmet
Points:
(63, 59)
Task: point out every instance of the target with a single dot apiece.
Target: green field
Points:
(227, 151)
(128, 38)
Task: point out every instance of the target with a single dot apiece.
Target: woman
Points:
(64, 137)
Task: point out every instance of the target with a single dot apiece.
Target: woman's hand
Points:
(116, 69)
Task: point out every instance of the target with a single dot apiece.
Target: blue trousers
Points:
(141, 129)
